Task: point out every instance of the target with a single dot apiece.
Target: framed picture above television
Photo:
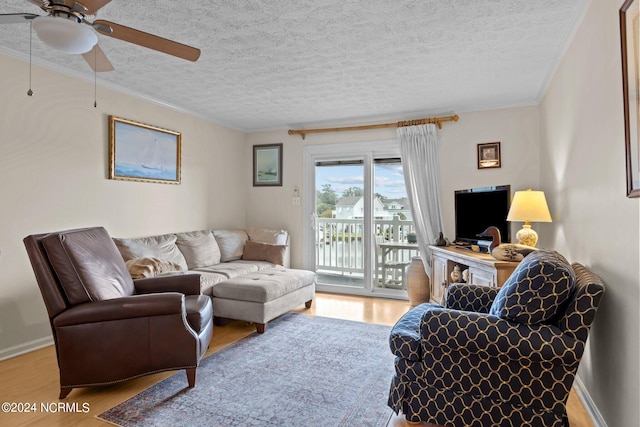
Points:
(489, 155)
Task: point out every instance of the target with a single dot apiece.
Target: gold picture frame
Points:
(141, 152)
(489, 155)
(630, 45)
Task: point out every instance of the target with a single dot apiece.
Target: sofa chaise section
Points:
(263, 295)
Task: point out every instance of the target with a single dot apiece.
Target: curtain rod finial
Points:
(296, 132)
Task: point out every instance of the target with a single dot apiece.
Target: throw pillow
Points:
(231, 243)
(537, 290)
(256, 251)
(161, 247)
(275, 237)
(199, 248)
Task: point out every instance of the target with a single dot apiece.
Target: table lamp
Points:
(528, 206)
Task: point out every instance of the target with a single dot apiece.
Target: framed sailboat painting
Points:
(140, 152)
(267, 165)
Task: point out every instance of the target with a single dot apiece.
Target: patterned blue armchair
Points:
(497, 357)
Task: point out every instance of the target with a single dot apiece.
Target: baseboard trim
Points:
(27, 347)
(588, 403)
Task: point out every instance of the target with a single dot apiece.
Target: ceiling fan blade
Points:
(101, 28)
(149, 40)
(97, 60)
(16, 18)
(92, 6)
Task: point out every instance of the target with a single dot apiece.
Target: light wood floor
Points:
(33, 377)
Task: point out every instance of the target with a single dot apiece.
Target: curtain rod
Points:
(434, 120)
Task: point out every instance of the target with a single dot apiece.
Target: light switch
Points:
(296, 201)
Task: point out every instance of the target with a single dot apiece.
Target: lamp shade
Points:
(65, 35)
(529, 206)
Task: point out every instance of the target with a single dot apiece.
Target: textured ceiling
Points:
(285, 63)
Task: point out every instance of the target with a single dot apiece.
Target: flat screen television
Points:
(479, 208)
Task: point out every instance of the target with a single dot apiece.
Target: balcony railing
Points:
(340, 248)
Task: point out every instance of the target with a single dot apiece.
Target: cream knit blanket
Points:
(141, 268)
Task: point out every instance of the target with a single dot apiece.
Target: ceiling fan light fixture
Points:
(65, 35)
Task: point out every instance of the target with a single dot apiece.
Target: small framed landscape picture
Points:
(489, 155)
(267, 165)
(139, 152)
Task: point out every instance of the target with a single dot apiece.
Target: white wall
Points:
(583, 173)
(54, 168)
(517, 129)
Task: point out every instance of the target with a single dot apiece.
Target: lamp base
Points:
(527, 236)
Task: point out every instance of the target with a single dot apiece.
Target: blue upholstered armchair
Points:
(497, 357)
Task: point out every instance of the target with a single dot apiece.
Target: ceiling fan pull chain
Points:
(30, 92)
(95, 77)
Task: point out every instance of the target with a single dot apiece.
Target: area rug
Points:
(304, 371)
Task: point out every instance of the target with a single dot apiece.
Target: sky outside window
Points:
(389, 179)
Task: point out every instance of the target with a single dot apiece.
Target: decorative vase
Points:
(456, 274)
(417, 282)
(441, 241)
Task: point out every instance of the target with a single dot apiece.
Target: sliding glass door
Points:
(339, 223)
(393, 229)
(358, 239)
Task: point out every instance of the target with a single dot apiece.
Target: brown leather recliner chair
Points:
(107, 327)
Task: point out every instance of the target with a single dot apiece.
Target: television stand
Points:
(483, 269)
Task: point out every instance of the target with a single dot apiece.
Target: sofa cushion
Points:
(88, 265)
(199, 248)
(264, 285)
(231, 243)
(233, 269)
(257, 251)
(275, 237)
(537, 290)
(208, 279)
(162, 247)
(141, 268)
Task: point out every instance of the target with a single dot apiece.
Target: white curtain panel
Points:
(420, 151)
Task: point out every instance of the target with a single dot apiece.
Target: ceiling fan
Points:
(66, 29)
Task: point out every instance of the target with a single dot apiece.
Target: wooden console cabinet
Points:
(483, 269)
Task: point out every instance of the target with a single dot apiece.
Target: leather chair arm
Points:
(135, 306)
(490, 336)
(466, 297)
(187, 284)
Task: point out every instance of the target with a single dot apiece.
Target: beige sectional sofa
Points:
(245, 271)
